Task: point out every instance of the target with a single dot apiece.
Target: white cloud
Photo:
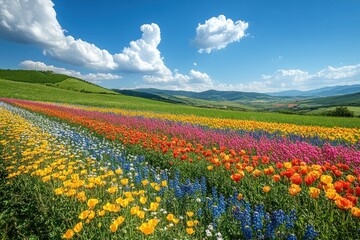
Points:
(34, 22)
(143, 55)
(340, 72)
(91, 77)
(217, 32)
(194, 81)
(286, 79)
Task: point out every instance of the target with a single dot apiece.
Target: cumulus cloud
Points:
(286, 79)
(193, 81)
(91, 77)
(34, 22)
(217, 32)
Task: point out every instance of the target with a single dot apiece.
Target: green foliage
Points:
(32, 76)
(29, 210)
(339, 112)
(78, 85)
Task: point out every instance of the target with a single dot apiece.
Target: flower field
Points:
(101, 173)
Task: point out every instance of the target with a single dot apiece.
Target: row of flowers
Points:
(338, 182)
(116, 194)
(351, 135)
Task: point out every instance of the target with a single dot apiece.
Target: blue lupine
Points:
(277, 218)
(310, 233)
(247, 232)
(290, 219)
(203, 185)
(291, 237)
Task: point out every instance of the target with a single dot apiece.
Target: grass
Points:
(356, 110)
(32, 76)
(39, 92)
(81, 86)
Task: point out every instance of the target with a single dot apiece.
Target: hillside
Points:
(49, 78)
(212, 95)
(347, 99)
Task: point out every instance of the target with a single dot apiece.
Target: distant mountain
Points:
(321, 92)
(352, 99)
(212, 95)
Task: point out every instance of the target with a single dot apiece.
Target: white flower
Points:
(208, 233)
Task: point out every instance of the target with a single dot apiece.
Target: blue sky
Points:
(252, 45)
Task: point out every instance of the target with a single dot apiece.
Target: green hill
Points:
(52, 79)
(347, 99)
(32, 76)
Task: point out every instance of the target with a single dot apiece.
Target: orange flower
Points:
(256, 173)
(314, 192)
(294, 189)
(276, 177)
(249, 169)
(266, 189)
(326, 179)
(343, 203)
(240, 196)
(350, 178)
(355, 211)
(210, 167)
(69, 234)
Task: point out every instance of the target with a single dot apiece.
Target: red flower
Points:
(296, 179)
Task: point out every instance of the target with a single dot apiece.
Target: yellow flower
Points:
(119, 220)
(78, 227)
(118, 171)
(91, 215)
(113, 227)
(134, 210)
(146, 229)
(140, 214)
(124, 181)
(332, 194)
(350, 178)
(84, 214)
(164, 183)
(190, 223)
(326, 179)
(158, 199)
(190, 231)
(92, 202)
(112, 189)
(69, 234)
(314, 192)
(145, 182)
(170, 217)
(101, 213)
(189, 214)
(153, 206)
(143, 200)
(210, 167)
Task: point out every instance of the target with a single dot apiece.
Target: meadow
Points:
(85, 172)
